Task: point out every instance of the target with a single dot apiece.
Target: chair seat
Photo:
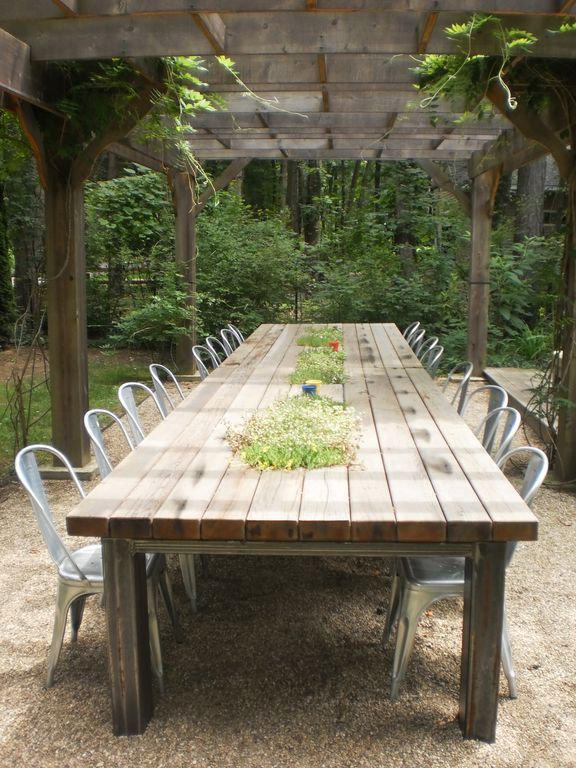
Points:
(89, 561)
(434, 571)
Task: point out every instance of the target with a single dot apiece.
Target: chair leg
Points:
(188, 568)
(76, 614)
(165, 587)
(506, 652)
(393, 605)
(154, 633)
(65, 597)
(412, 604)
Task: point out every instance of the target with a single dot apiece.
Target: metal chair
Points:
(420, 581)
(205, 360)
(430, 359)
(80, 571)
(425, 345)
(94, 428)
(229, 340)
(417, 337)
(490, 425)
(498, 399)
(217, 347)
(463, 371)
(237, 332)
(128, 402)
(410, 329)
(160, 373)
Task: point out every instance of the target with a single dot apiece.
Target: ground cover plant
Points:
(319, 364)
(301, 431)
(319, 337)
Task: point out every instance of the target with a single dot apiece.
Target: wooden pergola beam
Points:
(445, 183)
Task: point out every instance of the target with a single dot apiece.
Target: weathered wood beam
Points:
(429, 26)
(17, 76)
(213, 29)
(183, 190)
(484, 189)
(68, 7)
(445, 183)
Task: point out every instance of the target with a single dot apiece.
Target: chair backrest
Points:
(94, 428)
(410, 329)
(237, 332)
(534, 474)
(430, 359)
(26, 465)
(217, 348)
(498, 397)
(229, 340)
(464, 372)
(416, 337)
(425, 345)
(505, 419)
(159, 372)
(128, 402)
(205, 360)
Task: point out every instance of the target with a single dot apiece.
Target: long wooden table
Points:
(421, 484)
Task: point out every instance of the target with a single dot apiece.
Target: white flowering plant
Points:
(300, 431)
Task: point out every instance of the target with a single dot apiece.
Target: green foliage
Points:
(248, 268)
(319, 337)
(321, 364)
(159, 322)
(300, 431)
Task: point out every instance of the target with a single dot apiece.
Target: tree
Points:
(538, 96)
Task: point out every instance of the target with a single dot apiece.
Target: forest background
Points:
(341, 241)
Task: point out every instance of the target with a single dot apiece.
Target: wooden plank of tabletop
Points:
(403, 349)
(240, 489)
(418, 512)
(466, 518)
(92, 516)
(325, 507)
(273, 515)
(512, 519)
(372, 515)
(181, 512)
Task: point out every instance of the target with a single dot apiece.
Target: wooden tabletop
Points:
(420, 474)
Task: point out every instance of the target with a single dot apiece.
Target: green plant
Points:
(300, 431)
(319, 337)
(319, 363)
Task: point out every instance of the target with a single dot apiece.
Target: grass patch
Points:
(322, 364)
(105, 376)
(319, 337)
(300, 431)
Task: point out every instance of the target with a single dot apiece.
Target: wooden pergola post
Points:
(183, 186)
(484, 188)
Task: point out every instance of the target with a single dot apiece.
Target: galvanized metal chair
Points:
(218, 348)
(229, 340)
(498, 398)
(206, 361)
(80, 571)
(420, 581)
(237, 332)
(161, 374)
(128, 402)
(417, 337)
(430, 359)
(498, 427)
(424, 345)
(462, 372)
(410, 329)
(94, 429)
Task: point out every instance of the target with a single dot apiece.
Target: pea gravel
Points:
(283, 664)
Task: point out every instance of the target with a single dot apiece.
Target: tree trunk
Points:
(292, 196)
(7, 314)
(530, 200)
(311, 216)
(183, 186)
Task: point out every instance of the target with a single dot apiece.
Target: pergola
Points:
(320, 79)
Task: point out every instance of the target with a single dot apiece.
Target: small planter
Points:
(334, 345)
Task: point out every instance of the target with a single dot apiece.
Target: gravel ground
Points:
(283, 665)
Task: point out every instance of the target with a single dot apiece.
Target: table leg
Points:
(128, 640)
(481, 641)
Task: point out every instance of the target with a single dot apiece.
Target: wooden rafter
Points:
(214, 29)
(429, 26)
